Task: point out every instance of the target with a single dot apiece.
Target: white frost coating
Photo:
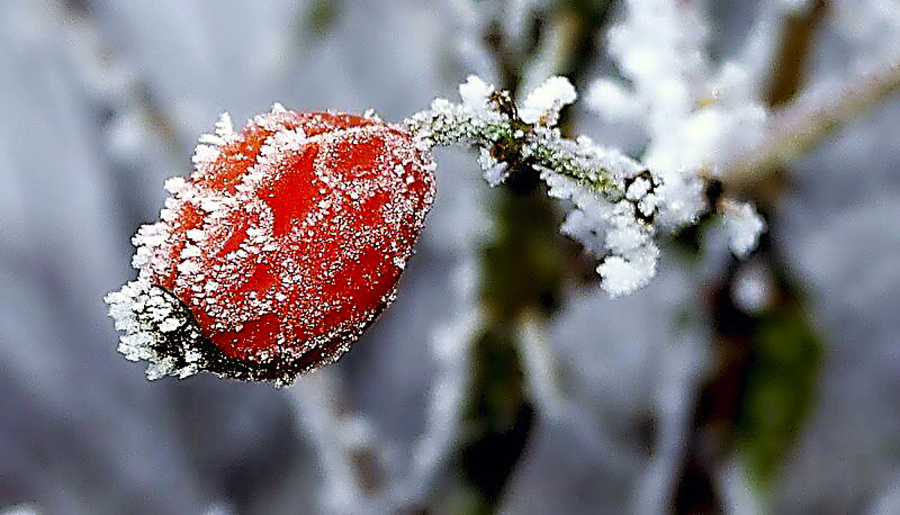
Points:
(744, 226)
(204, 154)
(638, 189)
(475, 93)
(630, 252)
(616, 198)
(622, 276)
(276, 146)
(175, 185)
(196, 235)
(695, 122)
(696, 117)
(224, 127)
(614, 101)
(147, 317)
(223, 134)
(634, 253)
(494, 171)
(544, 103)
(619, 202)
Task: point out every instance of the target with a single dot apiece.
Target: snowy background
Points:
(102, 101)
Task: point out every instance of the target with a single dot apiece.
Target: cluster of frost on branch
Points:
(619, 202)
(744, 225)
(696, 117)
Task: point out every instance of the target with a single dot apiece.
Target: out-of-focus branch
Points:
(795, 52)
(615, 189)
(501, 415)
(808, 121)
(724, 420)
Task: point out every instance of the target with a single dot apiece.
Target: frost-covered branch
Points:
(812, 118)
(619, 202)
(508, 135)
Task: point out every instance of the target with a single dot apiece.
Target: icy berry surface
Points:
(283, 245)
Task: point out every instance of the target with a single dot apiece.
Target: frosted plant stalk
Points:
(617, 199)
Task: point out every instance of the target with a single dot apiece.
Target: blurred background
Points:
(502, 379)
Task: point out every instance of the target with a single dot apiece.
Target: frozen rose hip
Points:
(279, 250)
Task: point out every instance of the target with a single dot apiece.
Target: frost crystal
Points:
(622, 276)
(158, 328)
(544, 103)
(697, 118)
(744, 226)
(494, 171)
(475, 93)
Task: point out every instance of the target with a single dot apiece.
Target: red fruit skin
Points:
(289, 238)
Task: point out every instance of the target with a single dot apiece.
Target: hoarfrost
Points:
(544, 103)
(224, 127)
(622, 275)
(744, 226)
(475, 93)
(696, 119)
(611, 191)
(494, 171)
(204, 154)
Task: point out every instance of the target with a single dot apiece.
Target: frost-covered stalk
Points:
(618, 200)
(811, 118)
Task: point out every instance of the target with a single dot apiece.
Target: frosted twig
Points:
(327, 430)
(488, 120)
(451, 347)
(811, 119)
(544, 387)
(614, 195)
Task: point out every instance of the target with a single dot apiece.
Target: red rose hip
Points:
(279, 250)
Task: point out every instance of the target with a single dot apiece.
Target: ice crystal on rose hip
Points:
(279, 250)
